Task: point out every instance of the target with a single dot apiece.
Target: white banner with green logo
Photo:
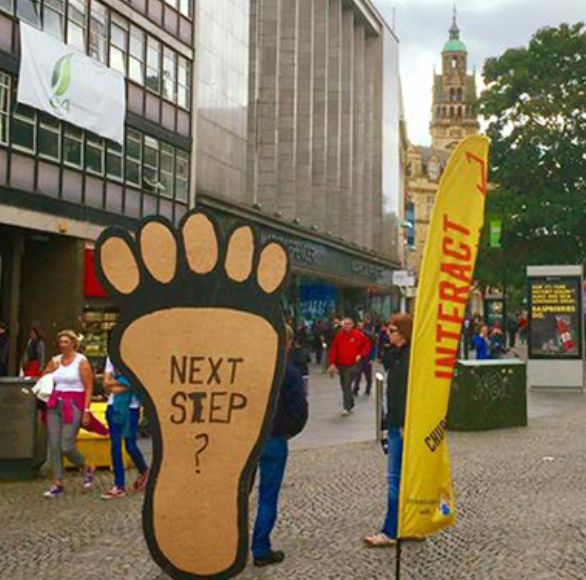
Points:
(62, 81)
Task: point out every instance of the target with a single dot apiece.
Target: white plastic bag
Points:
(44, 387)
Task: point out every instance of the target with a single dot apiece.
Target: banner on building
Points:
(426, 498)
(67, 84)
(496, 227)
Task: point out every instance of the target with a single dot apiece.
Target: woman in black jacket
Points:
(399, 331)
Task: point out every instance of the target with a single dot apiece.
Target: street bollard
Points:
(379, 382)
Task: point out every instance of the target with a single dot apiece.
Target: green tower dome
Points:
(454, 44)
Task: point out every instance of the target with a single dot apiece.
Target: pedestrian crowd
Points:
(341, 346)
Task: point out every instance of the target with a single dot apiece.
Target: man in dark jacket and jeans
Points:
(290, 418)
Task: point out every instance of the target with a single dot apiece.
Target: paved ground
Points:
(521, 496)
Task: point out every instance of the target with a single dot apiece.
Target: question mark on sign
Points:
(205, 440)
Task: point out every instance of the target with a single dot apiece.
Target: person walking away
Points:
(123, 415)
(300, 358)
(400, 330)
(349, 347)
(365, 365)
(522, 325)
(332, 328)
(68, 409)
(289, 420)
(512, 329)
(480, 343)
(384, 346)
(467, 334)
(319, 340)
(34, 357)
(4, 349)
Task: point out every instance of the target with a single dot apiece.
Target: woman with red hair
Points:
(399, 330)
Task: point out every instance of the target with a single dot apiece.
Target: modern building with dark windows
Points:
(61, 184)
(283, 113)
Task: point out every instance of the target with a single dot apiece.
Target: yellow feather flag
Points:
(426, 499)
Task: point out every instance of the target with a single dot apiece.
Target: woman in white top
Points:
(68, 409)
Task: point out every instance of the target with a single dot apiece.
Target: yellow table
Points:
(96, 448)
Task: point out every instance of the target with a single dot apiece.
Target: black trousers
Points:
(347, 377)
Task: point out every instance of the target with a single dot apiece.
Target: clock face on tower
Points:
(433, 169)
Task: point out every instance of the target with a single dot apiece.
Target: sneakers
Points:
(88, 477)
(273, 557)
(346, 412)
(114, 493)
(141, 481)
(54, 491)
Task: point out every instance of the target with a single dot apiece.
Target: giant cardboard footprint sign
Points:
(201, 333)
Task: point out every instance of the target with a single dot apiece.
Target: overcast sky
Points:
(487, 27)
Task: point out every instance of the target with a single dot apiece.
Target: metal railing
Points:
(379, 389)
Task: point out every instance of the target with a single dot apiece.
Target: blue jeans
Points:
(394, 481)
(272, 463)
(130, 443)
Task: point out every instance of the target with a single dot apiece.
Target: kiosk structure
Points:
(556, 327)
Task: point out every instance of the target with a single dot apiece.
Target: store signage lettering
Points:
(301, 252)
(365, 270)
(336, 262)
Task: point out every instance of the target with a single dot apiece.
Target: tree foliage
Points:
(535, 105)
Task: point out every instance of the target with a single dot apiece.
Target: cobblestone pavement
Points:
(521, 495)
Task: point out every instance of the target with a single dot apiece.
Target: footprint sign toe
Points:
(201, 334)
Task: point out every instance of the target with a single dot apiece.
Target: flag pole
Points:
(398, 560)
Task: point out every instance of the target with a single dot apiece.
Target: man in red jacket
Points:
(349, 347)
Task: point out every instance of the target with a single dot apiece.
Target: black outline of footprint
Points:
(190, 289)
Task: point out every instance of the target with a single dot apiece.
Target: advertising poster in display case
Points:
(555, 317)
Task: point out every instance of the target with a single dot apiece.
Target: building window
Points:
(24, 128)
(4, 108)
(73, 146)
(114, 161)
(459, 93)
(98, 32)
(118, 43)
(167, 170)
(28, 10)
(153, 66)
(150, 168)
(185, 7)
(169, 75)
(94, 154)
(7, 6)
(183, 93)
(454, 62)
(133, 157)
(181, 175)
(136, 58)
(53, 17)
(410, 215)
(76, 23)
(49, 143)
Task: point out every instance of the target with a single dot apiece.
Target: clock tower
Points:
(453, 118)
(453, 113)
